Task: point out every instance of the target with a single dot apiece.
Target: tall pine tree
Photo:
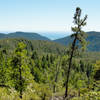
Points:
(79, 36)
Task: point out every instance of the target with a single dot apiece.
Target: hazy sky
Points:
(46, 15)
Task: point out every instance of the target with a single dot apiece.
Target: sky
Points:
(47, 15)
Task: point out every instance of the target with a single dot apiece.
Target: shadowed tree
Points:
(3, 68)
(78, 38)
(57, 71)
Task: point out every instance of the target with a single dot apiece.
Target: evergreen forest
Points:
(46, 70)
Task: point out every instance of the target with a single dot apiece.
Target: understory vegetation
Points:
(31, 76)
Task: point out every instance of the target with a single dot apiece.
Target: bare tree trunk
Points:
(79, 92)
(44, 96)
(56, 78)
(6, 86)
(20, 71)
(70, 64)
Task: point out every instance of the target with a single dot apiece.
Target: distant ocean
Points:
(55, 35)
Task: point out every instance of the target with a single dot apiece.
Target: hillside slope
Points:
(40, 46)
(26, 35)
(93, 39)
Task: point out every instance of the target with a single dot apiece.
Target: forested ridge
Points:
(26, 35)
(93, 39)
(33, 45)
(44, 70)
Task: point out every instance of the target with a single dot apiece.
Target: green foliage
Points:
(37, 70)
(20, 74)
(39, 46)
(44, 75)
(34, 91)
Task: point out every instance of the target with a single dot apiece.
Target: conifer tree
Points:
(20, 74)
(78, 38)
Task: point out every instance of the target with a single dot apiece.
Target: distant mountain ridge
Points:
(93, 38)
(26, 35)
